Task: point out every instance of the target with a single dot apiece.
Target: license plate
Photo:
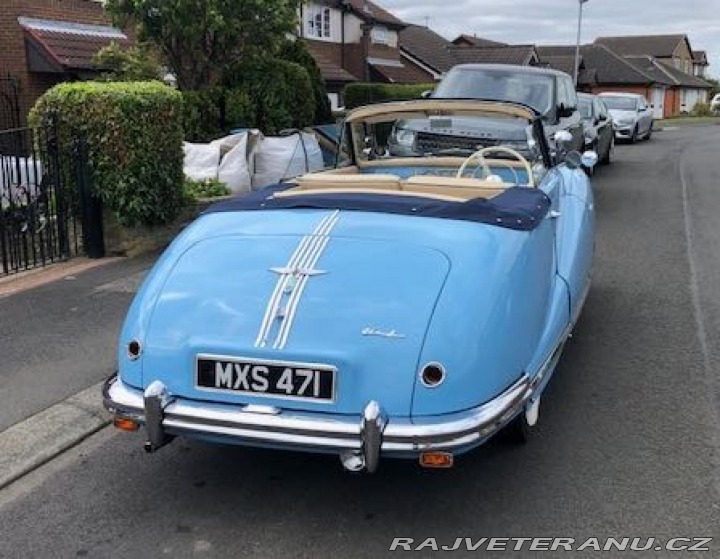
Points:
(266, 378)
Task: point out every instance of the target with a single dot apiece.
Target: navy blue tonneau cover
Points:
(519, 208)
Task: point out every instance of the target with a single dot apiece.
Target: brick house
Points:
(45, 42)
(354, 40)
(671, 61)
(670, 90)
(433, 54)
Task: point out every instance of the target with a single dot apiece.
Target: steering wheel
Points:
(480, 156)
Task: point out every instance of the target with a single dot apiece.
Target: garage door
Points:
(658, 102)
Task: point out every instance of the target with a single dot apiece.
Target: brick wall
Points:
(12, 40)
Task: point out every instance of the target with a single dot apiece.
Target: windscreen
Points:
(585, 107)
(533, 90)
(620, 103)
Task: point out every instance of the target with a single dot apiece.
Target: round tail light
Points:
(432, 375)
(134, 349)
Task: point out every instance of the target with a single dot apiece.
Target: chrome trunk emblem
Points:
(369, 331)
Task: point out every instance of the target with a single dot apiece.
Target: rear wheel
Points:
(520, 429)
(649, 132)
(634, 136)
(607, 158)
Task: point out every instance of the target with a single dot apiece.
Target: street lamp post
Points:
(577, 43)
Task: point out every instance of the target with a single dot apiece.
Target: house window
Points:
(317, 22)
(380, 35)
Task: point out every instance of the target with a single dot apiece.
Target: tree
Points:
(128, 65)
(296, 51)
(201, 39)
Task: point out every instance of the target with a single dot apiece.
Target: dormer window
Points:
(317, 22)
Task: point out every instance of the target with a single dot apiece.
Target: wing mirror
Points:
(574, 160)
(564, 112)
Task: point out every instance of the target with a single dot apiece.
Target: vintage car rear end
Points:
(356, 323)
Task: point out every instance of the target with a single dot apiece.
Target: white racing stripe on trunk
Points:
(303, 258)
(295, 297)
(276, 297)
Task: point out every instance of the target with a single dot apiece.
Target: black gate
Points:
(9, 103)
(44, 195)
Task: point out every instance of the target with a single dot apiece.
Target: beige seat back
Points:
(334, 181)
(451, 186)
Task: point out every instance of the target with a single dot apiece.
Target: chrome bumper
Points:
(359, 440)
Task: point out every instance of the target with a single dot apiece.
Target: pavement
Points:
(59, 338)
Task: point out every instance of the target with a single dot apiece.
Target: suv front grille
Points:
(427, 142)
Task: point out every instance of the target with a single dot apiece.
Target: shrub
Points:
(296, 51)
(357, 94)
(271, 95)
(701, 109)
(137, 63)
(134, 136)
(279, 92)
(210, 188)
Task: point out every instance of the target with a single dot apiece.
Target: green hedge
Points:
(297, 51)
(134, 135)
(270, 95)
(357, 94)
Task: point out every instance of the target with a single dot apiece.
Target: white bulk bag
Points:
(233, 169)
(201, 161)
(285, 157)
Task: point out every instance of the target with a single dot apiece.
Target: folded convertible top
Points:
(518, 208)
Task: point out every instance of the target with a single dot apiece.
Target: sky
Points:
(555, 21)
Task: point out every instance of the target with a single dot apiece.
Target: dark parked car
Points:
(549, 93)
(599, 136)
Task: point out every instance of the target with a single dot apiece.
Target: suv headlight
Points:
(404, 137)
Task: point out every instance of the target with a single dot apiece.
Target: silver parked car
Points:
(632, 117)
(715, 104)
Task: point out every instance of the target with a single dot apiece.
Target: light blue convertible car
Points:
(406, 307)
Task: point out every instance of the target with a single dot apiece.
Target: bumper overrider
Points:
(360, 441)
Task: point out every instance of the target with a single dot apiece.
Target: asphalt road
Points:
(627, 444)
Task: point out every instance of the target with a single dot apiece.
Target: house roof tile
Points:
(68, 45)
(654, 45)
(428, 47)
(610, 67)
(700, 57)
(507, 54)
(472, 40)
(394, 73)
(370, 11)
